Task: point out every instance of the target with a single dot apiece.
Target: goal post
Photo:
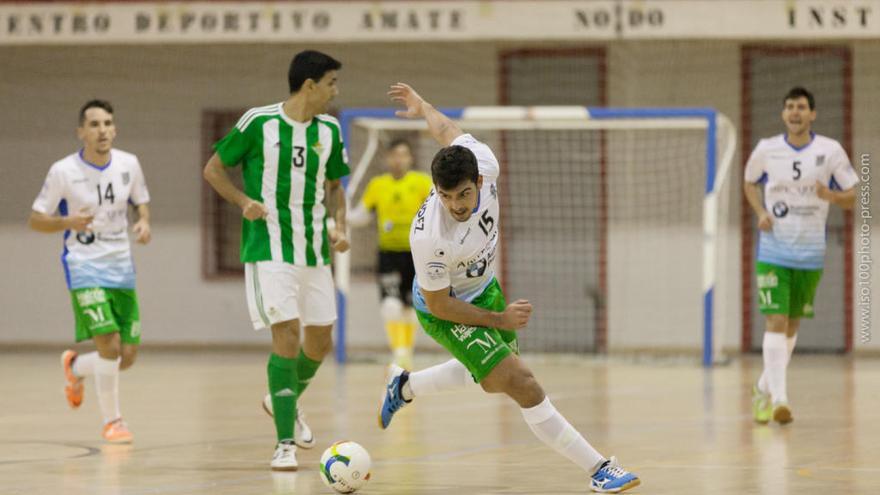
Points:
(626, 179)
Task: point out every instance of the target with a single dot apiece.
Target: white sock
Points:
(548, 425)
(450, 375)
(84, 364)
(775, 351)
(107, 387)
(763, 386)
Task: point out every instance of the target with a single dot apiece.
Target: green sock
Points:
(282, 386)
(306, 368)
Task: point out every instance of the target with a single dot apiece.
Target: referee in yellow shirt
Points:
(396, 197)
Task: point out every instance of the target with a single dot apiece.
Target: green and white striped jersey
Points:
(284, 165)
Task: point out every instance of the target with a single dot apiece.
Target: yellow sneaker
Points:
(75, 386)
(117, 432)
(762, 407)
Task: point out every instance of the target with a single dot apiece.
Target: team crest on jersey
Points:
(126, 177)
(820, 160)
(318, 147)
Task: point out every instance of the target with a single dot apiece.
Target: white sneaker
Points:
(302, 433)
(285, 457)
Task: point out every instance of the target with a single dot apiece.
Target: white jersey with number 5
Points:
(101, 256)
(458, 255)
(799, 215)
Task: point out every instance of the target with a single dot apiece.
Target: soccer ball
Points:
(345, 467)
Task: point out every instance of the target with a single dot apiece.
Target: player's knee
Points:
(777, 323)
(285, 339)
(129, 356)
(490, 386)
(391, 309)
(320, 346)
(108, 345)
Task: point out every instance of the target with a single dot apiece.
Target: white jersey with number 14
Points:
(100, 256)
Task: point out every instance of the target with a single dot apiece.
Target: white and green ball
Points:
(345, 467)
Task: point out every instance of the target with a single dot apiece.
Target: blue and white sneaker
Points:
(393, 401)
(611, 478)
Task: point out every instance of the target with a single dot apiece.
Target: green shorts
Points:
(786, 291)
(480, 349)
(101, 311)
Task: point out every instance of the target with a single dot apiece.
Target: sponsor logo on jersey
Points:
(85, 237)
(436, 270)
(780, 209)
(439, 253)
(477, 269)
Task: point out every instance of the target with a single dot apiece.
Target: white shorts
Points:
(278, 291)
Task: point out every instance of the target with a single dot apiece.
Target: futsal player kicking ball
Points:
(454, 240)
(799, 169)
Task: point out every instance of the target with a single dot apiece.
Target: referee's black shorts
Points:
(396, 272)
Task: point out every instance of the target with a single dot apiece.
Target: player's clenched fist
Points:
(80, 222)
(765, 222)
(254, 210)
(516, 315)
(338, 241)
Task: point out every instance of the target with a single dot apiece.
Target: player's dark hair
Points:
(103, 104)
(453, 165)
(309, 64)
(800, 92)
(398, 142)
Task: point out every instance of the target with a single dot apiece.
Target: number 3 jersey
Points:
(458, 255)
(799, 215)
(100, 256)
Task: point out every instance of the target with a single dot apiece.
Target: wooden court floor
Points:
(199, 429)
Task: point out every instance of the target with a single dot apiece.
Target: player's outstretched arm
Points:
(216, 175)
(753, 195)
(446, 307)
(442, 128)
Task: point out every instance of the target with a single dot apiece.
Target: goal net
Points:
(613, 221)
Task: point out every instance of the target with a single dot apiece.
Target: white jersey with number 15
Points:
(458, 255)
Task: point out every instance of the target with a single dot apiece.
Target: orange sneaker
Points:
(75, 386)
(117, 431)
